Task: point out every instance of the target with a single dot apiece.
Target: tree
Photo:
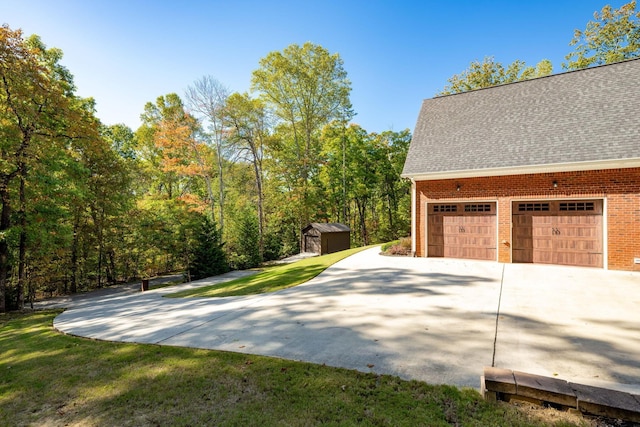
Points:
(170, 151)
(613, 36)
(307, 87)
(395, 197)
(178, 164)
(207, 97)
(361, 183)
(491, 73)
(38, 116)
(208, 257)
(247, 122)
(247, 249)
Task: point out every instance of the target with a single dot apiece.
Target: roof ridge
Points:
(562, 73)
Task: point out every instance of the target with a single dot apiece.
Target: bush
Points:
(388, 245)
(399, 247)
(272, 247)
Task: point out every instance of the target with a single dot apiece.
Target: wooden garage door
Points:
(462, 230)
(565, 232)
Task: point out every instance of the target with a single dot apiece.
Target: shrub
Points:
(399, 247)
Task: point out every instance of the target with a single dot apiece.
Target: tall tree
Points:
(38, 113)
(247, 122)
(307, 87)
(394, 191)
(491, 73)
(168, 146)
(207, 98)
(613, 36)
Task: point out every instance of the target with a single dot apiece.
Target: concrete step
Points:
(505, 384)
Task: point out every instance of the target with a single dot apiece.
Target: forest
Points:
(211, 180)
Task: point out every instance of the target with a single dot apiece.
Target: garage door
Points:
(462, 230)
(565, 232)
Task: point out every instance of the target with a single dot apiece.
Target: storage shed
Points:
(325, 238)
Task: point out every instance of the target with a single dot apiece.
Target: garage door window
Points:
(533, 207)
(445, 208)
(477, 208)
(577, 206)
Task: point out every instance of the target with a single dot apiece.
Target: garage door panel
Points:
(462, 231)
(578, 258)
(436, 235)
(558, 232)
(522, 238)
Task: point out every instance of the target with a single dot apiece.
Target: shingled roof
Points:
(579, 120)
(329, 227)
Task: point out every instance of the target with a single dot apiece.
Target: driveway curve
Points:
(434, 320)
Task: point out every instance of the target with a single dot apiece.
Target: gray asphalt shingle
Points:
(579, 116)
(329, 227)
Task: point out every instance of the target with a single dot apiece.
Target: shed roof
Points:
(579, 120)
(329, 227)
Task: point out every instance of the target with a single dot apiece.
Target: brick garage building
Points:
(540, 171)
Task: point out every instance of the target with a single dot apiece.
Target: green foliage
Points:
(90, 205)
(208, 257)
(613, 36)
(247, 245)
(272, 247)
(361, 181)
(307, 87)
(491, 73)
(49, 167)
(385, 247)
(397, 247)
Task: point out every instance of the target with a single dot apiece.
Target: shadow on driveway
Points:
(426, 319)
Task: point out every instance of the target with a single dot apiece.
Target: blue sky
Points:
(396, 53)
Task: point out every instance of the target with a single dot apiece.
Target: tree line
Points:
(210, 181)
(612, 36)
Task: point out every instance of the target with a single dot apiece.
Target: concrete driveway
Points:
(434, 320)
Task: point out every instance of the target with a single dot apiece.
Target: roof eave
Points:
(525, 170)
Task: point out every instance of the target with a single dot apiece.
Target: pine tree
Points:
(248, 241)
(208, 258)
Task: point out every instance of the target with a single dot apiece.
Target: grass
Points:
(271, 279)
(47, 378)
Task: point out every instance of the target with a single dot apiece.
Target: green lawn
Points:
(271, 279)
(47, 378)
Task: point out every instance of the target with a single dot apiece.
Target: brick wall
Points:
(620, 188)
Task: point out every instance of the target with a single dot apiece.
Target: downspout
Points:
(413, 217)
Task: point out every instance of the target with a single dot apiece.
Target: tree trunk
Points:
(22, 245)
(100, 248)
(258, 173)
(221, 195)
(362, 211)
(74, 255)
(112, 276)
(5, 224)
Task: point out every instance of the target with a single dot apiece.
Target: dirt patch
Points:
(553, 416)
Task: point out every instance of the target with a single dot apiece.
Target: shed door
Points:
(565, 232)
(312, 244)
(462, 230)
